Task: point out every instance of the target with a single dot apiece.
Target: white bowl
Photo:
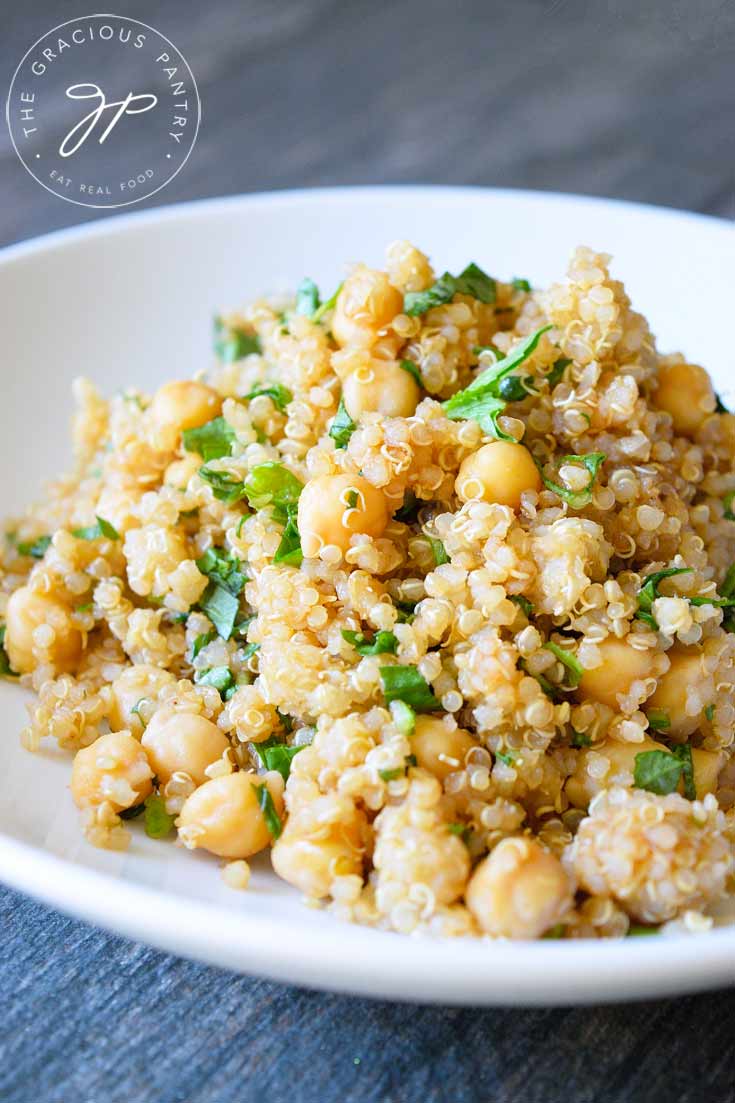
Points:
(129, 300)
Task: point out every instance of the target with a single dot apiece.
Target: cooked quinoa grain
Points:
(426, 586)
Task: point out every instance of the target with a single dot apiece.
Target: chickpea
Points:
(621, 666)
(367, 303)
(180, 405)
(671, 692)
(113, 769)
(582, 786)
(438, 749)
(707, 766)
(182, 741)
(498, 472)
(383, 387)
(519, 891)
(134, 684)
(327, 514)
(40, 629)
(310, 859)
(223, 815)
(178, 473)
(685, 391)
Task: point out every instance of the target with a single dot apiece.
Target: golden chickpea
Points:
(707, 766)
(367, 303)
(178, 473)
(437, 749)
(519, 891)
(671, 692)
(382, 387)
(113, 769)
(132, 686)
(334, 507)
(40, 629)
(685, 391)
(497, 472)
(311, 859)
(183, 404)
(621, 666)
(582, 785)
(223, 815)
(182, 741)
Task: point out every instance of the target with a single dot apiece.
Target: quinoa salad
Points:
(425, 587)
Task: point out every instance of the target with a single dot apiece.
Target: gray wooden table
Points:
(608, 97)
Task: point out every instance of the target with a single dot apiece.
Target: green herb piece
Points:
(506, 759)
(391, 775)
(438, 550)
(272, 484)
(133, 812)
(223, 568)
(36, 548)
(579, 739)
(233, 344)
(658, 720)
(481, 400)
(727, 502)
(405, 683)
(86, 608)
(383, 643)
(352, 499)
(514, 388)
(289, 550)
(683, 752)
(248, 651)
(569, 660)
(657, 771)
(578, 499)
(404, 717)
(212, 440)
(557, 371)
(201, 641)
(307, 298)
(6, 669)
(225, 486)
(553, 692)
(440, 292)
(720, 406)
(649, 592)
(559, 930)
(727, 589)
(476, 283)
(709, 713)
(522, 602)
(268, 808)
(342, 426)
(413, 370)
(218, 676)
(461, 830)
(279, 395)
(286, 720)
(221, 607)
(327, 306)
(521, 284)
(95, 532)
(635, 930)
(136, 709)
(277, 756)
(158, 823)
(406, 611)
(408, 512)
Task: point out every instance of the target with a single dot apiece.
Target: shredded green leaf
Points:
(221, 607)
(383, 643)
(342, 426)
(326, 306)
(635, 930)
(96, 532)
(413, 371)
(36, 548)
(249, 650)
(222, 567)
(683, 752)
(307, 298)
(233, 344)
(211, 441)
(404, 717)
(220, 677)
(268, 808)
(523, 603)
(658, 720)
(505, 758)
(225, 486)
(657, 771)
(272, 484)
(158, 823)
(461, 830)
(279, 395)
(201, 641)
(471, 281)
(405, 683)
(408, 512)
(580, 739)
(649, 592)
(289, 550)
(569, 660)
(709, 713)
(277, 756)
(727, 502)
(438, 550)
(578, 499)
(557, 371)
(391, 775)
(519, 284)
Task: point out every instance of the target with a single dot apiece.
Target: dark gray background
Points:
(627, 98)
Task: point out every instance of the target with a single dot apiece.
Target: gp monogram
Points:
(103, 111)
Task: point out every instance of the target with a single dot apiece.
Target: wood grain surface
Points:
(626, 98)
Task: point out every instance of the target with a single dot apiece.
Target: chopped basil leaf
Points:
(520, 284)
(405, 683)
(557, 371)
(201, 641)
(440, 292)
(683, 752)
(279, 395)
(327, 306)
(476, 283)
(409, 510)
(391, 775)
(225, 486)
(514, 388)
(289, 550)
(352, 499)
(212, 440)
(268, 808)
(404, 717)
(658, 720)
(277, 756)
(158, 823)
(412, 369)
(383, 643)
(248, 651)
(35, 548)
(272, 484)
(438, 550)
(218, 676)
(480, 400)
(221, 607)
(342, 426)
(95, 532)
(635, 930)
(649, 592)
(86, 608)
(406, 611)
(720, 406)
(221, 567)
(579, 739)
(727, 502)
(657, 771)
(307, 297)
(523, 602)
(461, 830)
(233, 344)
(569, 660)
(506, 759)
(709, 713)
(559, 930)
(578, 499)
(551, 691)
